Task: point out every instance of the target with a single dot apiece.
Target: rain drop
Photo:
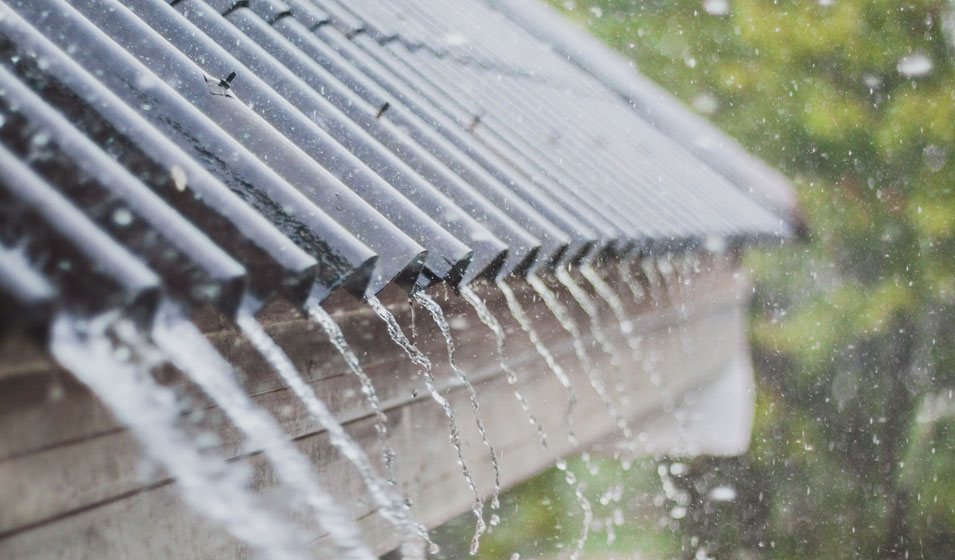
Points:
(122, 217)
(914, 65)
(716, 7)
(179, 177)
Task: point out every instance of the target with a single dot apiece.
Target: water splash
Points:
(438, 315)
(213, 488)
(525, 322)
(392, 508)
(568, 323)
(486, 317)
(190, 352)
(394, 330)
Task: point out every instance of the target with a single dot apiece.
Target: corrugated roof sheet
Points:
(212, 150)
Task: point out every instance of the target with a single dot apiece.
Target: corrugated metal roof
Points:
(211, 150)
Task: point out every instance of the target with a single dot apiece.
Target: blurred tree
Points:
(853, 450)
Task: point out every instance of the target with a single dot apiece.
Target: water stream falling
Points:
(648, 266)
(657, 285)
(586, 303)
(318, 314)
(631, 282)
(215, 489)
(394, 330)
(568, 323)
(673, 284)
(486, 317)
(191, 353)
(391, 507)
(690, 268)
(438, 315)
(616, 306)
(626, 329)
(564, 318)
(525, 322)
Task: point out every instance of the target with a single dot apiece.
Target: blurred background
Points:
(853, 449)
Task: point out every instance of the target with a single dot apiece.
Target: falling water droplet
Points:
(935, 157)
(722, 494)
(706, 103)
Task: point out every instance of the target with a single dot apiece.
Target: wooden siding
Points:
(73, 484)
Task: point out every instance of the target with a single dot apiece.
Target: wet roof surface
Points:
(215, 150)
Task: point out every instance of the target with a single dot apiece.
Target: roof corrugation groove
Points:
(228, 151)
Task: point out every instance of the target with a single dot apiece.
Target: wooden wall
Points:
(72, 483)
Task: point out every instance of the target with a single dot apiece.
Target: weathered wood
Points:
(77, 485)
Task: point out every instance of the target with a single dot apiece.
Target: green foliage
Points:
(852, 453)
(542, 517)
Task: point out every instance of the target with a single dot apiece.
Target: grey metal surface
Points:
(171, 38)
(383, 144)
(91, 272)
(218, 151)
(194, 269)
(573, 129)
(274, 263)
